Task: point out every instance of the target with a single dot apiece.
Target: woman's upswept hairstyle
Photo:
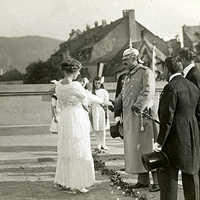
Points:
(70, 65)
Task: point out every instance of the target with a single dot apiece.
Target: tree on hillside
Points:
(41, 73)
(12, 75)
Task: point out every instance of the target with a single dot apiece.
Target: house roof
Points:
(152, 38)
(161, 45)
(193, 32)
(86, 41)
(138, 45)
(90, 37)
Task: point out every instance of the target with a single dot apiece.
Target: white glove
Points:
(156, 147)
(117, 119)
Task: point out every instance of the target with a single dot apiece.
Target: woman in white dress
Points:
(100, 116)
(75, 167)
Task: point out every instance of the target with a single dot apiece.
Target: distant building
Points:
(191, 36)
(191, 39)
(105, 43)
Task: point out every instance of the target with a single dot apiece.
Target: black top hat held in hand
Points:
(155, 160)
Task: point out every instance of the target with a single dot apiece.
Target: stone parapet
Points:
(30, 105)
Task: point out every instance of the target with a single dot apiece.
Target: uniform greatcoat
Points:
(138, 90)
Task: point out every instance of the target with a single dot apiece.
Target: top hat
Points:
(155, 160)
(115, 130)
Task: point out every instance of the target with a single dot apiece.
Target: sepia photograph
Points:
(99, 100)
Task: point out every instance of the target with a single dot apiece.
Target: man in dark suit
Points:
(179, 134)
(120, 82)
(190, 71)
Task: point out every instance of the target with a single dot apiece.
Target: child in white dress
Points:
(54, 109)
(54, 122)
(100, 116)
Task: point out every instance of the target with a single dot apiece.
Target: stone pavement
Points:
(27, 167)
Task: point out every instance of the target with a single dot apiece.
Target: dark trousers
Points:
(144, 178)
(168, 181)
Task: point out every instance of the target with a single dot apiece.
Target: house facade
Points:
(191, 39)
(105, 44)
(191, 36)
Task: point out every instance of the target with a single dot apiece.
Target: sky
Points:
(56, 18)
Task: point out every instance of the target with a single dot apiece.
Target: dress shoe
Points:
(154, 188)
(139, 185)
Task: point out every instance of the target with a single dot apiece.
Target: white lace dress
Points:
(75, 168)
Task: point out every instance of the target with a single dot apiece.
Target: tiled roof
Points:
(90, 37)
(160, 43)
(86, 41)
(193, 32)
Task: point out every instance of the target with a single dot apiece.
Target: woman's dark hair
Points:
(172, 64)
(70, 65)
(97, 78)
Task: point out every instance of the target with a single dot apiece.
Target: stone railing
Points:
(29, 105)
(23, 105)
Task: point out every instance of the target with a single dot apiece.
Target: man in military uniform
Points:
(137, 96)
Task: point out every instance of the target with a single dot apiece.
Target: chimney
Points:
(96, 24)
(103, 22)
(124, 13)
(132, 25)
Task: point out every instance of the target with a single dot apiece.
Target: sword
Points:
(144, 114)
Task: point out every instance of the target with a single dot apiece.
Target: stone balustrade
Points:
(29, 105)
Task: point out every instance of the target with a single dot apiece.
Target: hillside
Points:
(18, 52)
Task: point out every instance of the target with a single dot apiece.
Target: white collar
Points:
(173, 75)
(187, 69)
